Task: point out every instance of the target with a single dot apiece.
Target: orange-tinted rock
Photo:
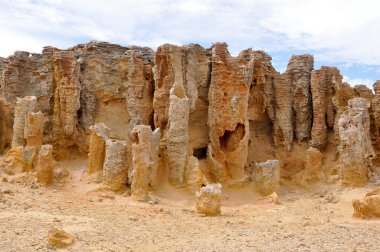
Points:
(228, 112)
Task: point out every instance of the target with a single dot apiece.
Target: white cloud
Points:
(358, 81)
(344, 31)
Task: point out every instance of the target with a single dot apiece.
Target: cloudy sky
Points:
(342, 33)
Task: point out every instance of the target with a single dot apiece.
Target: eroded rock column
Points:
(44, 167)
(299, 73)
(115, 169)
(177, 135)
(355, 148)
(23, 107)
(324, 82)
(97, 148)
(141, 158)
(34, 129)
(283, 123)
(267, 176)
(228, 113)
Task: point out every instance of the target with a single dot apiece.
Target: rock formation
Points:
(298, 74)
(212, 117)
(23, 107)
(228, 113)
(267, 177)
(115, 169)
(141, 159)
(44, 167)
(97, 148)
(355, 147)
(368, 208)
(313, 166)
(34, 129)
(208, 200)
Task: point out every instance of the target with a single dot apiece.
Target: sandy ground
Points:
(319, 219)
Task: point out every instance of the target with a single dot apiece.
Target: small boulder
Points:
(208, 199)
(59, 238)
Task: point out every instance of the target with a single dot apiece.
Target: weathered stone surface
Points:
(283, 123)
(59, 238)
(154, 158)
(23, 107)
(324, 82)
(355, 148)
(291, 166)
(44, 167)
(372, 199)
(261, 110)
(298, 74)
(375, 107)
(368, 208)
(228, 112)
(267, 177)
(67, 93)
(215, 115)
(34, 128)
(115, 169)
(97, 148)
(177, 135)
(141, 158)
(208, 199)
(313, 166)
(194, 177)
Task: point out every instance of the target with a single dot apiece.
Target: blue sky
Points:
(342, 33)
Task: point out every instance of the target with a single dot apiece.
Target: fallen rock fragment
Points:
(59, 238)
(368, 208)
(267, 176)
(208, 199)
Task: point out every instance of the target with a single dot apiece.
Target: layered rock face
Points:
(211, 117)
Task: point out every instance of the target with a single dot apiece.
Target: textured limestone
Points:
(154, 158)
(59, 238)
(283, 123)
(34, 128)
(97, 148)
(369, 207)
(267, 177)
(67, 93)
(115, 169)
(324, 83)
(44, 167)
(291, 166)
(215, 115)
(228, 113)
(208, 199)
(178, 138)
(141, 158)
(261, 110)
(355, 149)
(194, 177)
(23, 107)
(314, 160)
(375, 106)
(298, 73)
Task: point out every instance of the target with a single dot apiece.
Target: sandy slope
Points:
(317, 220)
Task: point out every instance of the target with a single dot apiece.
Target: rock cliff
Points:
(185, 115)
